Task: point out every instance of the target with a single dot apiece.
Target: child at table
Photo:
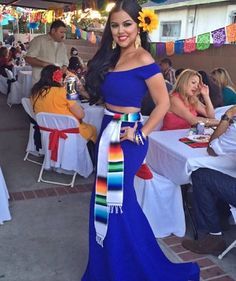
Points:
(49, 95)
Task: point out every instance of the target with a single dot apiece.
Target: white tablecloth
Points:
(4, 196)
(17, 68)
(175, 160)
(20, 88)
(25, 79)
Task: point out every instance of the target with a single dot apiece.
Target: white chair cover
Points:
(15, 95)
(3, 85)
(4, 196)
(26, 103)
(73, 154)
(233, 211)
(161, 202)
(9, 73)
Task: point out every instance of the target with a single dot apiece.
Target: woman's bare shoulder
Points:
(144, 57)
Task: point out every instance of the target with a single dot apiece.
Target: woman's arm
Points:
(206, 109)
(178, 107)
(77, 111)
(157, 88)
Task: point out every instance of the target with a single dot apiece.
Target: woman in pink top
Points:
(186, 109)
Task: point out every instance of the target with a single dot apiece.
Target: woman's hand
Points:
(204, 90)
(127, 133)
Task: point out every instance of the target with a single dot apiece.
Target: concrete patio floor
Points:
(47, 238)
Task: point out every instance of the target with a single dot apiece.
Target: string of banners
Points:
(200, 42)
(89, 36)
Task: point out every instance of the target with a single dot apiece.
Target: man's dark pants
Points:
(210, 186)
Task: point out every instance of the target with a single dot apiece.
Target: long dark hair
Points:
(42, 87)
(106, 58)
(214, 89)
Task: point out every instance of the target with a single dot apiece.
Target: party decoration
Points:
(231, 33)
(203, 41)
(170, 48)
(219, 37)
(33, 25)
(153, 49)
(159, 1)
(161, 48)
(179, 47)
(190, 45)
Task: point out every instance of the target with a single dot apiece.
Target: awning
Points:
(56, 4)
(39, 4)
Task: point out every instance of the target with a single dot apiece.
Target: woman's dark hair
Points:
(3, 52)
(178, 72)
(22, 46)
(74, 64)
(74, 51)
(12, 53)
(42, 87)
(214, 89)
(106, 57)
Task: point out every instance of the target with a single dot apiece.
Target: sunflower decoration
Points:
(148, 20)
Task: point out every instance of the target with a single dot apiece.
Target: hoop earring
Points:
(113, 45)
(137, 42)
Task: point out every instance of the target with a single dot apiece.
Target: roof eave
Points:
(181, 4)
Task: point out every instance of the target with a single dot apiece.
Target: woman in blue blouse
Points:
(222, 77)
(122, 246)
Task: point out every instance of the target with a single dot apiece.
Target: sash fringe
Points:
(99, 240)
(118, 209)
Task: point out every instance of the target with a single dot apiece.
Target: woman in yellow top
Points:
(49, 95)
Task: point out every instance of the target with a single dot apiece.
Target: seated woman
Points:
(186, 109)
(49, 95)
(222, 77)
(4, 61)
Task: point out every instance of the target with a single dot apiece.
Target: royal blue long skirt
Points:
(130, 251)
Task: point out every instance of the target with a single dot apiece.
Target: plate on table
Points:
(199, 138)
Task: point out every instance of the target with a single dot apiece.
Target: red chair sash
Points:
(54, 137)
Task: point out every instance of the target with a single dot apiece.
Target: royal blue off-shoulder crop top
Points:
(127, 87)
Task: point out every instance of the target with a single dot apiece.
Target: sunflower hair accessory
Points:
(148, 20)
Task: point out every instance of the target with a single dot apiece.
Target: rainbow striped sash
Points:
(110, 173)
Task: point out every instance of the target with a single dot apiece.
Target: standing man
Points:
(210, 186)
(167, 70)
(48, 49)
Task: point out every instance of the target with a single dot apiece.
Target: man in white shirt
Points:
(210, 186)
(48, 49)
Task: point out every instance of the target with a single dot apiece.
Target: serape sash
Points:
(110, 173)
(54, 137)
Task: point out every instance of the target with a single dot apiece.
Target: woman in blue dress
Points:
(122, 246)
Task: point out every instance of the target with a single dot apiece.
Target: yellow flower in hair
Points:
(148, 20)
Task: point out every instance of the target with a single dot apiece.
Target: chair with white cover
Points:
(3, 85)
(4, 196)
(34, 142)
(161, 202)
(64, 147)
(15, 94)
(233, 244)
